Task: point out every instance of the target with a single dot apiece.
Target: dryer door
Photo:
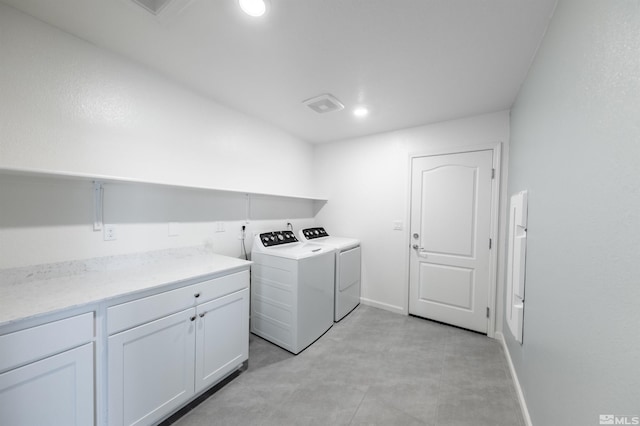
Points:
(347, 282)
(349, 268)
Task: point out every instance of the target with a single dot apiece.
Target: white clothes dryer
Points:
(291, 290)
(347, 268)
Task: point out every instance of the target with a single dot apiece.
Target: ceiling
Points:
(411, 62)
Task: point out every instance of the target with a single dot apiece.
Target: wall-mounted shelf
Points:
(105, 179)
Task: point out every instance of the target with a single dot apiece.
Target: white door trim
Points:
(495, 216)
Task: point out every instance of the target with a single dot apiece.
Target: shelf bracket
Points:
(247, 208)
(98, 199)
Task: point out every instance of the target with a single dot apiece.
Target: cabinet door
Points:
(151, 369)
(222, 338)
(54, 391)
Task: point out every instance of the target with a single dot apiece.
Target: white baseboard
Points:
(516, 382)
(385, 306)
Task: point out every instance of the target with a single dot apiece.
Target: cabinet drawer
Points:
(130, 314)
(32, 344)
(218, 287)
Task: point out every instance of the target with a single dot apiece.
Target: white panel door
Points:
(54, 391)
(450, 231)
(222, 337)
(151, 369)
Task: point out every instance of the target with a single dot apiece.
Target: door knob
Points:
(419, 250)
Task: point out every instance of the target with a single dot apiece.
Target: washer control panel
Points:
(270, 239)
(311, 233)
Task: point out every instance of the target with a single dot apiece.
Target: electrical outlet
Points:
(397, 225)
(243, 232)
(220, 227)
(109, 232)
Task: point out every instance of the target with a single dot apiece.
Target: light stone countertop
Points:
(34, 291)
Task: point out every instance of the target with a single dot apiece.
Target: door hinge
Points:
(488, 311)
(490, 243)
(493, 173)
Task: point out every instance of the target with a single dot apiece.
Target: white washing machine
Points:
(347, 268)
(291, 290)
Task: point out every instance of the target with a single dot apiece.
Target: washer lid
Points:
(298, 250)
(339, 243)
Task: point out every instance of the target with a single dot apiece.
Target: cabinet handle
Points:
(202, 314)
(193, 318)
(196, 295)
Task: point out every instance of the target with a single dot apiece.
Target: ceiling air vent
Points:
(163, 10)
(324, 103)
(153, 6)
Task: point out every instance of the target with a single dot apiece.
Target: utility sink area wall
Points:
(47, 220)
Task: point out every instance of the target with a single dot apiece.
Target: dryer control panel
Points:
(270, 239)
(311, 233)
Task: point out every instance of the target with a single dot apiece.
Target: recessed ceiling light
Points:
(361, 111)
(254, 7)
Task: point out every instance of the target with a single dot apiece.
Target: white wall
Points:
(367, 183)
(50, 220)
(575, 145)
(66, 105)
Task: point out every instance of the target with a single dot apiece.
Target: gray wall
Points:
(575, 145)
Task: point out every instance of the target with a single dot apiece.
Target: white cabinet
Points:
(222, 339)
(162, 353)
(49, 374)
(151, 369)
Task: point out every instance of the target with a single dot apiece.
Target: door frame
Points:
(495, 236)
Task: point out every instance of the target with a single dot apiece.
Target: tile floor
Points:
(372, 368)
